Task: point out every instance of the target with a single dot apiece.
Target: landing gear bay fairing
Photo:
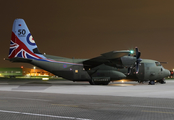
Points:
(110, 66)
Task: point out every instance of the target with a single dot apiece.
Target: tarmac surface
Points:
(67, 100)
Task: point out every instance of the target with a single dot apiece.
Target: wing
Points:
(110, 58)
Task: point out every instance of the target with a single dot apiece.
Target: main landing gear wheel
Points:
(105, 83)
(91, 82)
(152, 82)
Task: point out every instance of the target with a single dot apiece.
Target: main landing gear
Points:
(152, 82)
(92, 82)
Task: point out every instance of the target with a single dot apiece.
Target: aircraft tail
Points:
(22, 44)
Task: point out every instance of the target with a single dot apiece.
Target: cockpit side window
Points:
(158, 63)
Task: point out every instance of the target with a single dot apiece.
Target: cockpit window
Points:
(158, 63)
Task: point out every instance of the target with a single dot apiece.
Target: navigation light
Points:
(131, 51)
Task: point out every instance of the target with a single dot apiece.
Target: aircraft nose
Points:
(166, 72)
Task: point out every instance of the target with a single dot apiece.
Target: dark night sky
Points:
(87, 28)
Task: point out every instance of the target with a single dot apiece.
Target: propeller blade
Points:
(137, 69)
(138, 55)
(136, 51)
(129, 71)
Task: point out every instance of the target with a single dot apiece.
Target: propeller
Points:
(138, 54)
(137, 62)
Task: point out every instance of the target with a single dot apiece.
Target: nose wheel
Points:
(151, 82)
(162, 81)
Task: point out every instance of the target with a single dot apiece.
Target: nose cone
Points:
(166, 73)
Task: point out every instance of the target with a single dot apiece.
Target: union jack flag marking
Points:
(23, 54)
(13, 46)
(19, 49)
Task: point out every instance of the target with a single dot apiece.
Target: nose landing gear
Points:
(162, 81)
(151, 82)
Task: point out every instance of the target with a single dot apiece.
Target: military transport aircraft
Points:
(110, 66)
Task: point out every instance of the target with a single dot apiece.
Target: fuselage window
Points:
(157, 63)
(76, 71)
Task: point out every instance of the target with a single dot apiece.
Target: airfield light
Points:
(34, 70)
(45, 78)
(131, 51)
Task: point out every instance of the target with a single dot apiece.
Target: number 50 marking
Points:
(21, 32)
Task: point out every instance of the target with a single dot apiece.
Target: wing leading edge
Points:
(112, 57)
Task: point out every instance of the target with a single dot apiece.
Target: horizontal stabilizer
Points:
(17, 59)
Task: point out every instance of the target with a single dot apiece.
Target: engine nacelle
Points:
(128, 61)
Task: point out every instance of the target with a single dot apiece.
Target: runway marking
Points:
(23, 98)
(3, 83)
(152, 107)
(65, 105)
(158, 112)
(43, 115)
(3, 100)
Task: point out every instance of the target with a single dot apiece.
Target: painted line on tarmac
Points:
(152, 107)
(158, 112)
(23, 98)
(65, 105)
(44, 115)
